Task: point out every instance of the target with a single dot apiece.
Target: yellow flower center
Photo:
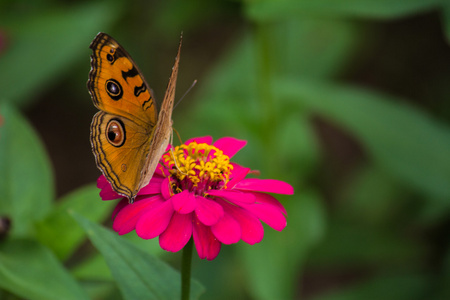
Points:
(198, 167)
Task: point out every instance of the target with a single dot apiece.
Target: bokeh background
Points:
(347, 100)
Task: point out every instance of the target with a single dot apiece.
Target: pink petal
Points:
(227, 230)
(106, 190)
(205, 242)
(161, 171)
(208, 211)
(237, 174)
(268, 213)
(230, 146)
(252, 229)
(102, 182)
(154, 222)
(153, 187)
(200, 140)
(122, 203)
(265, 185)
(126, 219)
(184, 202)
(234, 196)
(269, 199)
(177, 234)
(109, 195)
(166, 188)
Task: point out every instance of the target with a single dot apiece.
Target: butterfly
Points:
(128, 135)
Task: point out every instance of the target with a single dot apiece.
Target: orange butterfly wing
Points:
(116, 84)
(120, 162)
(128, 137)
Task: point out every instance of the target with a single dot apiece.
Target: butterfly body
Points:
(128, 135)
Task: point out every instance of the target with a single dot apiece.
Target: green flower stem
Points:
(186, 271)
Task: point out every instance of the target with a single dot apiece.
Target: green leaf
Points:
(31, 271)
(138, 274)
(373, 198)
(102, 290)
(297, 142)
(446, 19)
(350, 244)
(26, 185)
(331, 45)
(96, 278)
(274, 278)
(60, 232)
(402, 140)
(93, 268)
(44, 44)
(270, 10)
(386, 287)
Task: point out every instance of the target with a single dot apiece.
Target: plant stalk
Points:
(186, 270)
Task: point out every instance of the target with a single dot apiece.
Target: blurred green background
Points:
(347, 100)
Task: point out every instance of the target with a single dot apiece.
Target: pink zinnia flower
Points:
(201, 194)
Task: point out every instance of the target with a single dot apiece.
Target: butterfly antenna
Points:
(178, 135)
(184, 95)
(171, 150)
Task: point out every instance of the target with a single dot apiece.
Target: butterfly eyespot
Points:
(109, 57)
(115, 133)
(123, 167)
(114, 89)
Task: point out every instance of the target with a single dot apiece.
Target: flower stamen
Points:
(198, 166)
